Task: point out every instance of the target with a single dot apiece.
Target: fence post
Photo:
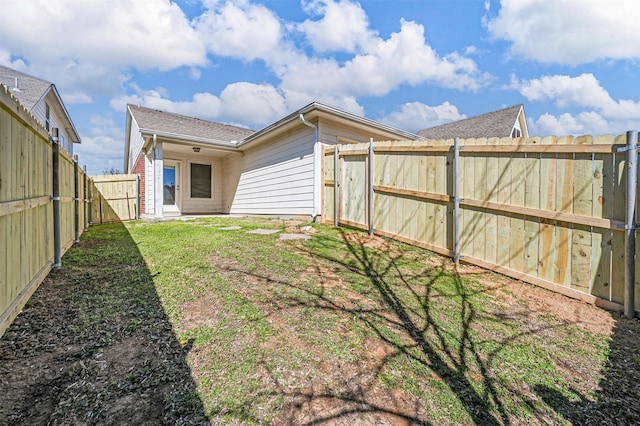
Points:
(336, 188)
(57, 257)
(456, 201)
(630, 224)
(85, 203)
(90, 200)
(370, 183)
(76, 199)
(137, 197)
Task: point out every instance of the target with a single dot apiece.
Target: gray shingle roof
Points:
(493, 124)
(30, 89)
(153, 120)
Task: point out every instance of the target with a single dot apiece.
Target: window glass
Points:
(200, 180)
(47, 116)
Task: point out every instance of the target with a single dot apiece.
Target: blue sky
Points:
(574, 64)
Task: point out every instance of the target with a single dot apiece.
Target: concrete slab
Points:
(231, 228)
(295, 237)
(264, 231)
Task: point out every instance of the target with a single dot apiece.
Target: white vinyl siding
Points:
(135, 144)
(148, 185)
(330, 133)
(39, 111)
(273, 178)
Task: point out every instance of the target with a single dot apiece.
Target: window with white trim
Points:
(200, 186)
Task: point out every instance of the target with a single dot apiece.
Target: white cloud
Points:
(583, 91)
(88, 49)
(102, 146)
(202, 105)
(415, 116)
(239, 30)
(344, 26)
(404, 58)
(600, 112)
(588, 122)
(248, 104)
(121, 33)
(252, 104)
(568, 31)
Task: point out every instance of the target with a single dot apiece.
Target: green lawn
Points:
(247, 328)
(276, 324)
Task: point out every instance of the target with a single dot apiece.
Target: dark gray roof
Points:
(492, 124)
(29, 89)
(152, 120)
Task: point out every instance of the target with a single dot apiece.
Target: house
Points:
(43, 101)
(190, 166)
(508, 122)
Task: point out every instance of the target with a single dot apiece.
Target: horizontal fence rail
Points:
(45, 205)
(549, 211)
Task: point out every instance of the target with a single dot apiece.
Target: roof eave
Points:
(316, 106)
(67, 116)
(186, 139)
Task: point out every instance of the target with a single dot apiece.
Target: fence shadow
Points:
(94, 345)
(617, 401)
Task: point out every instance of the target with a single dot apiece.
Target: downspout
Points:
(153, 158)
(316, 168)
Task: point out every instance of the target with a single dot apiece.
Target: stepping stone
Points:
(264, 231)
(295, 237)
(231, 228)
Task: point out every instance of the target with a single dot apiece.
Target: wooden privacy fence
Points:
(116, 198)
(45, 205)
(549, 211)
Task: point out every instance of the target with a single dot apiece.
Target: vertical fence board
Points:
(491, 194)
(617, 244)
(602, 208)
(467, 185)
(480, 188)
(581, 244)
(532, 200)
(504, 219)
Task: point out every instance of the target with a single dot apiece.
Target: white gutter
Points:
(189, 140)
(317, 168)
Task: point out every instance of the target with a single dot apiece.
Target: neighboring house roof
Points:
(492, 124)
(152, 121)
(29, 91)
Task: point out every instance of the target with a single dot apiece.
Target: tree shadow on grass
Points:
(94, 345)
(426, 316)
(413, 314)
(617, 401)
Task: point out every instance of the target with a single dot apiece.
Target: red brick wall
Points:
(138, 168)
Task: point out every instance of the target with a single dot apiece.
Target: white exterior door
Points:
(171, 188)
